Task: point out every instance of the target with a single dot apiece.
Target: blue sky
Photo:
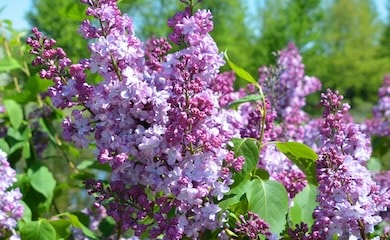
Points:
(15, 10)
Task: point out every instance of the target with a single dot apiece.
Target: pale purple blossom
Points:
(11, 208)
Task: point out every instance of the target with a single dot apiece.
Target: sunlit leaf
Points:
(304, 204)
(303, 156)
(269, 200)
(242, 73)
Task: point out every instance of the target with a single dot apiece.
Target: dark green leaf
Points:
(240, 71)
(14, 111)
(269, 200)
(304, 204)
(303, 156)
(262, 173)
(248, 98)
(107, 226)
(38, 230)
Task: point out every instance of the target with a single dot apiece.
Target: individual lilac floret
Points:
(350, 202)
(11, 208)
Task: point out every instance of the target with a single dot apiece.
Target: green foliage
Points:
(303, 156)
(247, 148)
(42, 181)
(247, 98)
(40, 229)
(15, 113)
(241, 72)
(303, 206)
(253, 191)
(269, 200)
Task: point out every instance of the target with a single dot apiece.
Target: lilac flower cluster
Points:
(349, 200)
(11, 209)
(154, 118)
(252, 226)
(379, 125)
(285, 87)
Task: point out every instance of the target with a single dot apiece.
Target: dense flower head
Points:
(350, 202)
(162, 122)
(156, 50)
(379, 125)
(155, 119)
(252, 226)
(11, 208)
(285, 87)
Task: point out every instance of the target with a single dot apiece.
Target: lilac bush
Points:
(193, 158)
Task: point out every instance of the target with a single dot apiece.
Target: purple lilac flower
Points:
(379, 125)
(252, 226)
(383, 180)
(285, 87)
(156, 50)
(156, 121)
(350, 202)
(11, 208)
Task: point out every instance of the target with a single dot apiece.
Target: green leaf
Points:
(304, 204)
(242, 73)
(14, 111)
(374, 164)
(36, 85)
(247, 148)
(26, 153)
(235, 194)
(269, 200)
(27, 214)
(62, 227)
(4, 146)
(15, 134)
(9, 63)
(42, 180)
(248, 98)
(303, 156)
(38, 230)
(107, 226)
(74, 220)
